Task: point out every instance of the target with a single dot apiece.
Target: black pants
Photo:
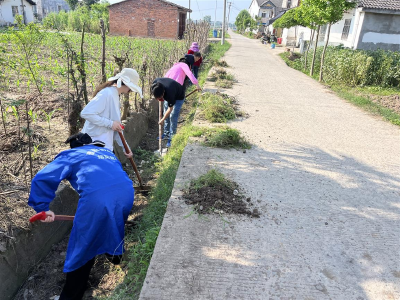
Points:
(76, 282)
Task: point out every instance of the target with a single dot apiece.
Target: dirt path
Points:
(325, 177)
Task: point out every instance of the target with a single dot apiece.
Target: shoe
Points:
(163, 137)
(168, 144)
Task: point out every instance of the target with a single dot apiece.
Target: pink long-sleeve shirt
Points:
(178, 73)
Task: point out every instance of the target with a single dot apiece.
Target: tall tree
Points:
(244, 20)
(207, 19)
(72, 3)
(322, 12)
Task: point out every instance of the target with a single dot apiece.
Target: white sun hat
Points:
(130, 78)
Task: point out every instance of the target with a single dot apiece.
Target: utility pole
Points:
(229, 11)
(223, 25)
(189, 11)
(215, 20)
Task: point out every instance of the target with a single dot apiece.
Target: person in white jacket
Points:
(103, 114)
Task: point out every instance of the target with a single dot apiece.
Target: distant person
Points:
(194, 49)
(173, 95)
(103, 113)
(106, 197)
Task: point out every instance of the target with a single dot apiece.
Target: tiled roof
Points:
(380, 4)
(277, 3)
(167, 2)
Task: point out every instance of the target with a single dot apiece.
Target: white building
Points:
(9, 9)
(265, 9)
(44, 7)
(374, 24)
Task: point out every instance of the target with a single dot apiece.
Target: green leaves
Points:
(244, 20)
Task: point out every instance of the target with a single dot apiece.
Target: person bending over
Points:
(106, 197)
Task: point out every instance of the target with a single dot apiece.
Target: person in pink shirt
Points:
(180, 70)
(177, 73)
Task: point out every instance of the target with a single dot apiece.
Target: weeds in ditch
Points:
(217, 109)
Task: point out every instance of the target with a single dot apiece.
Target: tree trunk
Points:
(3, 116)
(315, 52)
(308, 48)
(125, 111)
(323, 53)
(29, 139)
(103, 52)
(82, 68)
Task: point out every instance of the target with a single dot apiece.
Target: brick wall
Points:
(144, 18)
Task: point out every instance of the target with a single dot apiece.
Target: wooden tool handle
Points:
(130, 159)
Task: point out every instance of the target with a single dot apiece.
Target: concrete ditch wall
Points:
(30, 246)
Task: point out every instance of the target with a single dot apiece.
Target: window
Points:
(289, 3)
(263, 15)
(59, 8)
(14, 10)
(346, 29)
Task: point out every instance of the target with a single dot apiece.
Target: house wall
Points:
(380, 30)
(135, 17)
(289, 35)
(44, 7)
(253, 9)
(6, 16)
(335, 37)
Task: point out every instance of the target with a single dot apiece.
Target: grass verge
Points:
(359, 96)
(364, 101)
(144, 237)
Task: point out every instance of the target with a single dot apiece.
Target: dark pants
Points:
(195, 71)
(76, 282)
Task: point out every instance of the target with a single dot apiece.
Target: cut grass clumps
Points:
(222, 78)
(222, 137)
(221, 63)
(212, 193)
(216, 108)
(224, 83)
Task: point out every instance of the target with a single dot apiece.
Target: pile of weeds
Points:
(222, 78)
(221, 137)
(212, 193)
(221, 63)
(217, 108)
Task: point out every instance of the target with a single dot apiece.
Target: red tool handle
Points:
(42, 216)
(37, 217)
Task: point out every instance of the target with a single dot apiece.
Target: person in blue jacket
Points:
(106, 197)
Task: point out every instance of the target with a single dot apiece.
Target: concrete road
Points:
(325, 177)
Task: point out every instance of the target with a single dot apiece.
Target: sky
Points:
(213, 8)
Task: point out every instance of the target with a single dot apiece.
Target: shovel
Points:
(42, 216)
(141, 188)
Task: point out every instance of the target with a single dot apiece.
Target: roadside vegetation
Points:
(368, 79)
(143, 238)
